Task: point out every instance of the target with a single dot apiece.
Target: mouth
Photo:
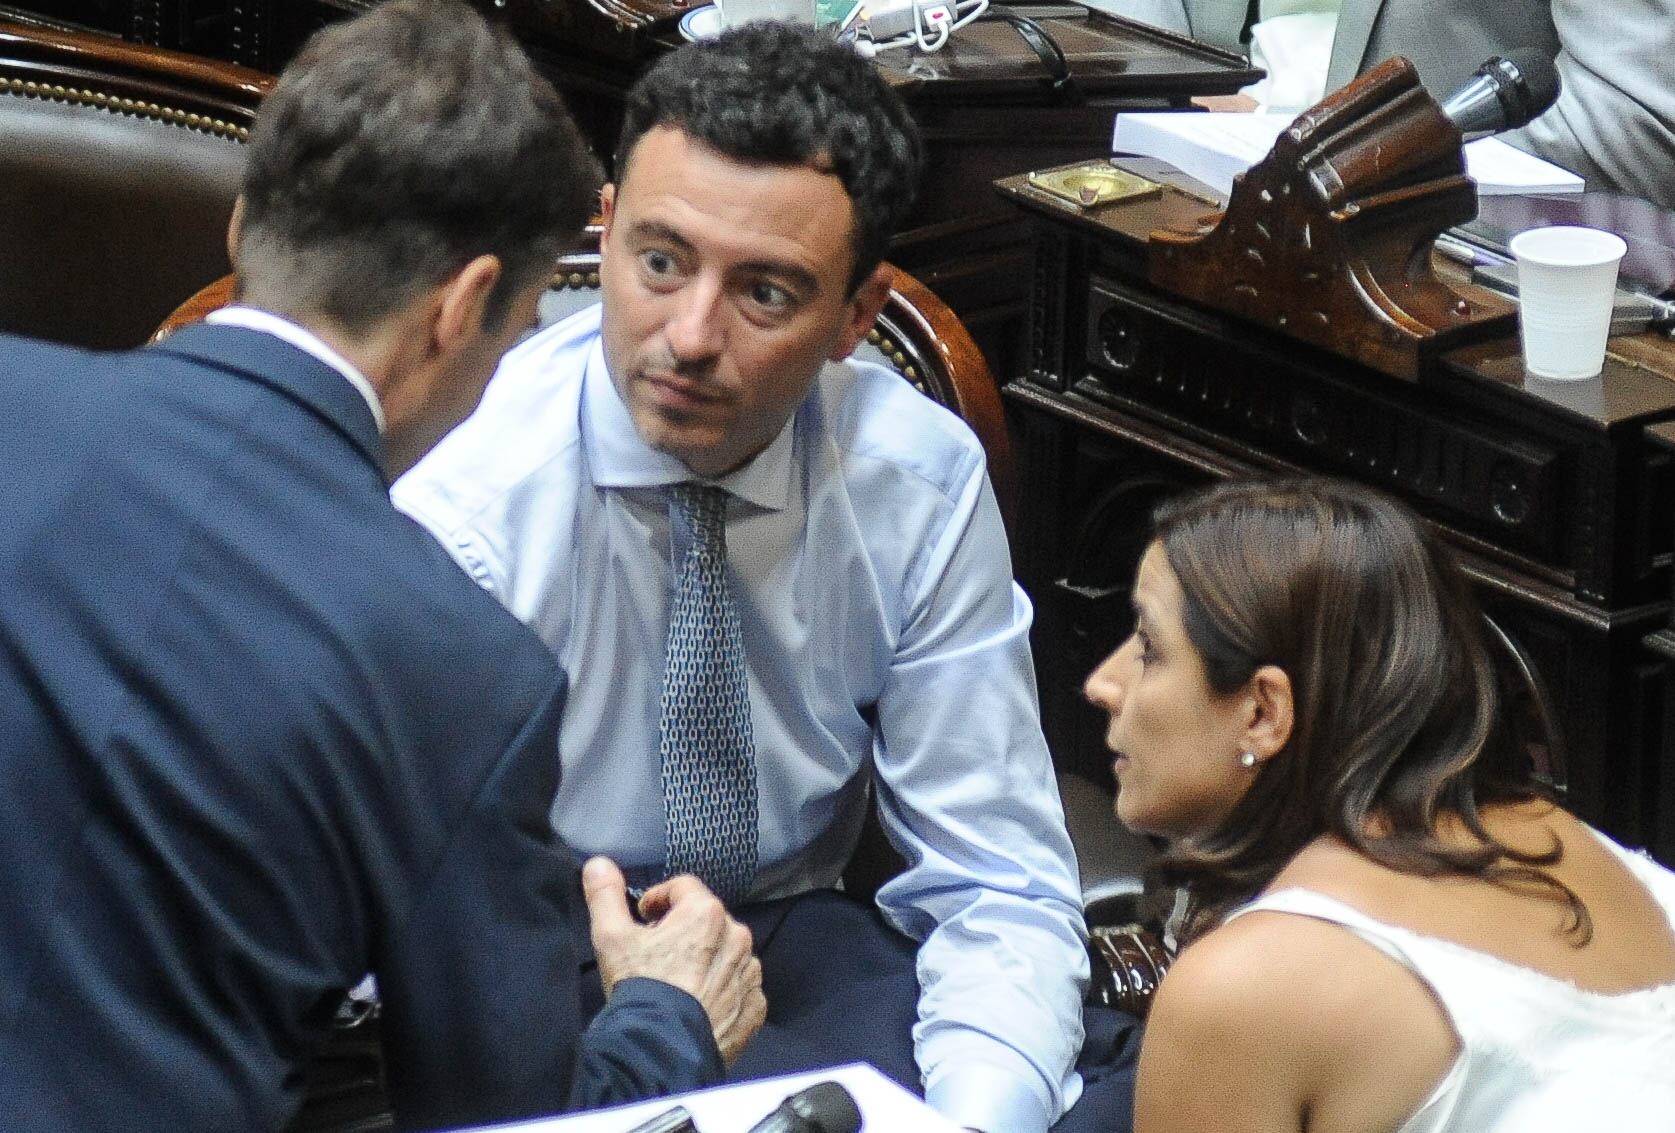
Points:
(679, 393)
(1119, 764)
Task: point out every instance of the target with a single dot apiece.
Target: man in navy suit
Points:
(261, 735)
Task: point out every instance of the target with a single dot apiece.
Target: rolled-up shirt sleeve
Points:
(967, 794)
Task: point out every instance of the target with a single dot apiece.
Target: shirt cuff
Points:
(993, 1095)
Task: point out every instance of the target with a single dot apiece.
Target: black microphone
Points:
(676, 1120)
(1504, 94)
(825, 1107)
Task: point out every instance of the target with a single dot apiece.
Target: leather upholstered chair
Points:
(921, 338)
(120, 164)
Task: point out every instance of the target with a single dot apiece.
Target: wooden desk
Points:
(1662, 643)
(1558, 495)
(260, 34)
(985, 103)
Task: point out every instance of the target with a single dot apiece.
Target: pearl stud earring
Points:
(1247, 759)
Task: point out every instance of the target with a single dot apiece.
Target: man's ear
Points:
(1272, 712)
(607, 210)
(235, 230)
(458, 306)
(864, 305)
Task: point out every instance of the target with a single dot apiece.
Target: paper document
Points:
(1215, 147)
(885, 1107)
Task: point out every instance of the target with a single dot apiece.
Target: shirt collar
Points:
(618, 457)
(305, 340)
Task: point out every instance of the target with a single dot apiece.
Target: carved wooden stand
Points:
(1328, 239)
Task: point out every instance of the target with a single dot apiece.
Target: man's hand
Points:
(689, 942)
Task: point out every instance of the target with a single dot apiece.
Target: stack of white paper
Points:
(1215, 147)
(885, 1107)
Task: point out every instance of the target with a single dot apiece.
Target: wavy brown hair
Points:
(1398, 718)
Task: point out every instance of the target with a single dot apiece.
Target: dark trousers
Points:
(842, 987)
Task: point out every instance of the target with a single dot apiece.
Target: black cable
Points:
(1059, 79)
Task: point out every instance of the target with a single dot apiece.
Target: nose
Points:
(1105, 686)
(695, 332)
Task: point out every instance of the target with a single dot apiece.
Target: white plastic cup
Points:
(1567, 278)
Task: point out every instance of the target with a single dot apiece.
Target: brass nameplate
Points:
(1093, 184)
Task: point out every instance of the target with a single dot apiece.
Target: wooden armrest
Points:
(212, 297)
(1128, 964)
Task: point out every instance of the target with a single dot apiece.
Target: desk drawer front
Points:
(1502, 489)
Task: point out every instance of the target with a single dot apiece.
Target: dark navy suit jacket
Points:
(259, 735)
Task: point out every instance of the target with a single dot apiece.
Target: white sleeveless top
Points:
(1536, 1052)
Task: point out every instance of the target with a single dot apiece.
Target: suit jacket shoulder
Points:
(1445, 41)
(264, 736)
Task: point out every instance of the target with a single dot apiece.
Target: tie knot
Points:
(704, 507)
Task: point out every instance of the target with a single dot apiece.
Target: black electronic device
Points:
(676, 1120)
(825, 1107)
(1504, 94)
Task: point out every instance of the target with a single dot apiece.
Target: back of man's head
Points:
(771, 93)
(396, 148)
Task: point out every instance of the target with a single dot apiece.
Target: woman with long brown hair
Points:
(1390, 925)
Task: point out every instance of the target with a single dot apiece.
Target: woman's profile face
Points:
(1176, 740)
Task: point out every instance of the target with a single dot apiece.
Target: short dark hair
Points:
(772, 93)
(396, 148)
(1397, 708)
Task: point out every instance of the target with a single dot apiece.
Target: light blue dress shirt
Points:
(883, 631)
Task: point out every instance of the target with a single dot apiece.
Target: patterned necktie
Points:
(709, 758)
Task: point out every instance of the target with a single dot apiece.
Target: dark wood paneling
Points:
(984, 103)
(1556, 495)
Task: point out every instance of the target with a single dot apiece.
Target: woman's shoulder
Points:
(1259, 975)
(1229, 993)
(1320, 1002)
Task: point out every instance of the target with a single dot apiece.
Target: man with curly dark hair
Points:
(777, 575)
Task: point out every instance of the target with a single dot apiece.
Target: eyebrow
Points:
(796, 275)
(657, 230)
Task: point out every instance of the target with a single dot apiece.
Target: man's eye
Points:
(770, 296)
(657, 262)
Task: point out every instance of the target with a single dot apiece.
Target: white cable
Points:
(965, 11)
(978, 7)
(928, 46)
